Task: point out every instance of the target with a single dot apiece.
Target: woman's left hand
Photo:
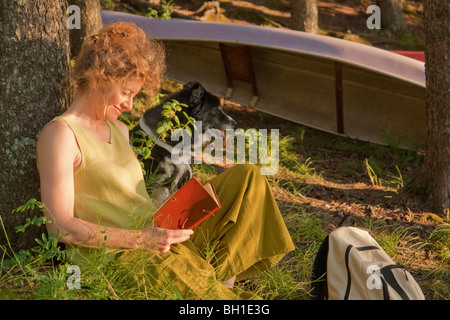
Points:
(159, 240)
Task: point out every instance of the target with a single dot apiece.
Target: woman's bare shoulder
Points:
(55, 130)
(57, 135)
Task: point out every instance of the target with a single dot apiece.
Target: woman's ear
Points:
(94, 83)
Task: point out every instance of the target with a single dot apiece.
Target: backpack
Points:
(351, 265)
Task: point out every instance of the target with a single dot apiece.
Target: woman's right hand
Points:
(159, 240)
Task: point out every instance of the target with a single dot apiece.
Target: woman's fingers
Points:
(172, 237)
(176, 236)
(162, 249)
(164, 238)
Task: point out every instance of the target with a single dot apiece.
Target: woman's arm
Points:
(58, 156)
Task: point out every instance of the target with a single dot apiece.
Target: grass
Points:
(41, 272)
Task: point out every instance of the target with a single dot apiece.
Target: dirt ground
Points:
(338, 18)
(344, 190)
(343, 18)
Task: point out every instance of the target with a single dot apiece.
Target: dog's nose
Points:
(233, 123)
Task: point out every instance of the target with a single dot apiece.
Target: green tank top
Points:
(109, 184)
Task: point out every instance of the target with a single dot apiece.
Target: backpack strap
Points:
(349, 275)
(390, 279)
(319, 278)
(385, 289)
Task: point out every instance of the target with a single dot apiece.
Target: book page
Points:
(208, 187)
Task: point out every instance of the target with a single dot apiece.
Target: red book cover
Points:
(187, 207)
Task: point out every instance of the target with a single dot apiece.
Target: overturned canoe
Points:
(326, 83)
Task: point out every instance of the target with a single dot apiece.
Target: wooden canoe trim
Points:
(339, 97)
(237, 61)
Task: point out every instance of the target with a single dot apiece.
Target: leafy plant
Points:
(164, 12)
(20, 271)
(395, 183)
(305, 168)
(440, 240)
(31, 204)
(171, 123)
(47, 246)
(372, 173)
(142, 145)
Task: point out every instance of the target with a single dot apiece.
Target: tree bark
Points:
(91, 23)
(391, 12)
(34, 41)
(434, 177)
(304, 15)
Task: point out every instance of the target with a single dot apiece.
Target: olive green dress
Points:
(246, 236)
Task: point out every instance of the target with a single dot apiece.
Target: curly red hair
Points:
(120, 51)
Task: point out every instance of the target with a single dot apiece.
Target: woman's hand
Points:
(159, 240)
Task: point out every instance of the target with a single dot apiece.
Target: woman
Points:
(94, 191)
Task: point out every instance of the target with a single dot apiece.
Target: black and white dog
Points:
(202, 106)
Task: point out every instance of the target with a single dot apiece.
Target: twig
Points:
(116, 297)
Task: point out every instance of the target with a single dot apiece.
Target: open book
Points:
(188, 206)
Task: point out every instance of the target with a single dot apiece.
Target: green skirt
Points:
(245, 237)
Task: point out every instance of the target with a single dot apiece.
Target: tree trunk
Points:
(392, 18)
(434, 177)
(91, 23)
(304, 15)
(34, 41)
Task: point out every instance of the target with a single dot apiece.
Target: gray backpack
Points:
(351, 265)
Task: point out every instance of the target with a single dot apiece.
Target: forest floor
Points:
(344, 19)
(338, 185)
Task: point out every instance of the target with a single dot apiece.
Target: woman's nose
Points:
(128, 104)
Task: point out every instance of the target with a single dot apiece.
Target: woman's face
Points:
(120, 98)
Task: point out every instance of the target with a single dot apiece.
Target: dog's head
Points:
(205, 107)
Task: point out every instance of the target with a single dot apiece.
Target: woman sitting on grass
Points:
(95, 194)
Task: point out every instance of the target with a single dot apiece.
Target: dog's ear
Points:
(197, 94)
(189, 85)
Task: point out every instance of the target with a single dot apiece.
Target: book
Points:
(188, 206)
